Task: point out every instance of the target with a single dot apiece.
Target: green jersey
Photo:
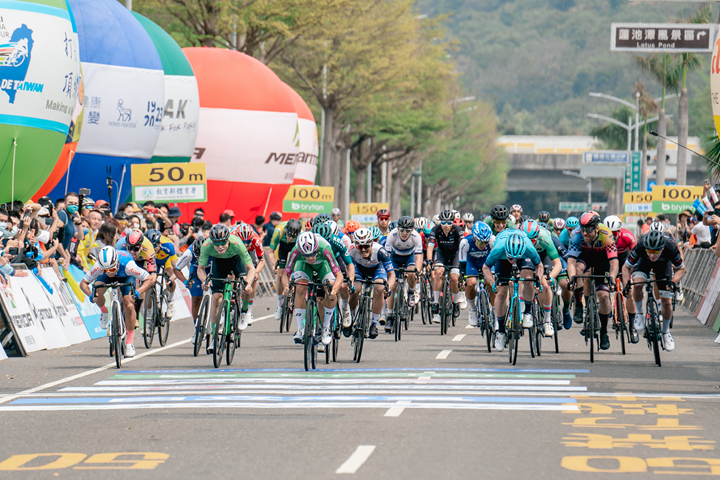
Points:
(544, 244)
(489, 223)
(236, 248)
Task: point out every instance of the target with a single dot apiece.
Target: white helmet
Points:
(436, 219)
(363, 236)
(456, 214)
(420, 223)
(108, 258)
(333, 227)
(468, 217)
(336, 211)
(657, 226)
(613, 223)
(308, 243)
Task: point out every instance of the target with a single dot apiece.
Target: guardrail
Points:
(700, 264)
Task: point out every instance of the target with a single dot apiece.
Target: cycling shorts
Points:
(283, 250)
(663, 272)
(376, 273)
(305, 271)
(107, 279)
(195, 286)
(406, 261)
(221, 268)
(548, 264)
(450, 259)
(503, 269)
(596, 263)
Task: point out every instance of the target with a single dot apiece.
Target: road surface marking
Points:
(469, 326)
(396, 411)
(443, 355)
(459, 337)
(260, 318)
(359, 456)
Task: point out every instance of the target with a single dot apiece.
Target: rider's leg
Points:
(128, 303)
(501, 306)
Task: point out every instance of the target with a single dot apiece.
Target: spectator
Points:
(646, 225)
(682, 229)
(199, 213)
(702, 234)
(258, 225)
(174, 215)
(226, 218)
(269, 227)
(206, 229)
(94, 218)
(60, 203)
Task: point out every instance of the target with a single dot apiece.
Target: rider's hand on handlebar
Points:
(671, 286)
(626, 289)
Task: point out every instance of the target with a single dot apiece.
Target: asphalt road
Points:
(403, 412)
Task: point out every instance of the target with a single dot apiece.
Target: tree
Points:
(647, 106)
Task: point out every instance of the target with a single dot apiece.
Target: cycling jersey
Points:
(544, 245)
(398, 246)
(447, 244)
(376, 266)
(565, 237)
(670, 253)
(166, 254)
(126, 268)
(145, 258)
(473, 258)
(562, 251)
(625, 241)
(339, 250)
(603, 243)
(278, 236)
(324, 254)
(345, 239)
(499, 251)
(489, 222)
(255, 246)
(236, 248)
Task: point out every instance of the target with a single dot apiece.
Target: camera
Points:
(84, 191)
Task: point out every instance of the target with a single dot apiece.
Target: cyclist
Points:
(335, 214)
(143, 253)
(404, 245)
(473, 252)
(165, 256)
(468, 220)
(512, 248)
(371, 261)
(255, 247)
(593, 251)
(544, 217)
(516, 213)
(283, 240)
(351, 226)
(117, 266)
(436, 219)
(558, 226)
(345, 239)
(500, 219)
(347, 268)
(309, 258)
(377, 236)
(190, 259)
(570, 225)
(229, 256)
(625, 242)
(660, 254)
(445, 240)
(383, 221)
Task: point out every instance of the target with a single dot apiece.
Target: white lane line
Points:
(443, 355)
(355, 461)
(469, 326)
(260, 318)
(459, 337)
(89, 372)
(396, 411)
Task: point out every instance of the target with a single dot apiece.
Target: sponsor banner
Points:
(179, 193)
(365, 220)
(168, 173)
(180, 117)
(307, 160)
(673, 199)
(293, 206)
(39, 66)
(123, 110)
(310, 193)
(26, 329)
(29, 290)
(715, 82)
(62, 300)
(182, 308)
(248, 146)
(89, 312)
(638, 207)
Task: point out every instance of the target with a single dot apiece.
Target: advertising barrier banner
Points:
(62, 300)
(29, 290)
(673, 200)
(3, 356)
(27, 332)
(89, 312)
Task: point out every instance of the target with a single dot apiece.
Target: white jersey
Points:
(185, 260)
(378, 256)
(412, 246)
(469, 249)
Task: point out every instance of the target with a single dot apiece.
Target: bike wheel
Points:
(486, 318)
(231, 340)
(532, 331)
(620, 319)
(163, 325)
(309, 336)
(398, 307)
(654, 332)
(116, 334)
(556, 319)
(285, 312)
(149, 316)
(201, 324)
(590, 326)
(361, 331)
(219, 337)
(517, 331)
(538, 321)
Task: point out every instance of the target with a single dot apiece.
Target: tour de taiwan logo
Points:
(15, 57)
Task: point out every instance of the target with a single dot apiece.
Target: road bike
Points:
(426, 295)
(591, 319)
(361, 320)
(653, 327)
(288, 307)
(620, 316)
(556, 313)
(116, 320)
(446, 303)
(513, 320)
(226, 338)
(400, 303)
(155, 311)
(312, 329)
(202, 323)
(486, 316)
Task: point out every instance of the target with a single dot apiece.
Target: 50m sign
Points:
(168, 174)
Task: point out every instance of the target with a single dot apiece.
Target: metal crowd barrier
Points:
(266, 282)
(700, 264)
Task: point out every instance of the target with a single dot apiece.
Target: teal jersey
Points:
(565, 237)
(544, 244)
(339, 249)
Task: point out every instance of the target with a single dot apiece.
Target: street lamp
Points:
(587, 179)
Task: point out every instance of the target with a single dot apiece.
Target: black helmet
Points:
(499, 212)
(392, 225)
(654, 240)
(196, 245)
(293, 228)
(544, 216)
(447, 216)
(219, 233)
(406, 223)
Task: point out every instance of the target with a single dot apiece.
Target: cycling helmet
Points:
(121, 217)
(234, 228)
(428, 228)
(392, 225)
(322, 218)
(154, 237)
(499, 212)
(293, 228)
(525, 218)
(532, 228)
(515, 245)
(405, 223)
(219, 233)
(336, 211)
(516, 207)
(572, 222)
(613, 223)
(383, 213)
(333, 227)
(654, 240)
(308, 243)
(657, 226)
(134, 239)
(459, 223)
(420, 223)
(559, 223)
(436, 219)
(456, 215)
(196, 246)
(352, 226)
(481, 232)
(376, 233)
(447, 216)
(108, 258)
(589, 219)
(245, 232)
(309, 225)
(544, 216)
(363, 236)
(322, 229)
(468, 217)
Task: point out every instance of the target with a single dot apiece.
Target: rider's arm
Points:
(90, 278)
(557, 268)
(626, 272)
(463, 253)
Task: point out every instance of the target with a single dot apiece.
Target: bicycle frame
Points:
(653, 331)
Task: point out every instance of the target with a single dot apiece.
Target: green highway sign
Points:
(632, 173)
(582, 206)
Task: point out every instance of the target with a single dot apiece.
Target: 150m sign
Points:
(169, 182)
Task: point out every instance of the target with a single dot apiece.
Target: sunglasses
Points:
(363, 247)
(134, 248)
(220, 244)
(653, 252)
(110, 270)
(480, 244)
(587, 229)
(406, 230)
(312, 255)
(446, 223)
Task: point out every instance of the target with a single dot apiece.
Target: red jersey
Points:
(625, 241)
(255, 245)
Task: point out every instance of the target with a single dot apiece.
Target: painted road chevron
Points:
(443, 388)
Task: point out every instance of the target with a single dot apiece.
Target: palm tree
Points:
(647, 106)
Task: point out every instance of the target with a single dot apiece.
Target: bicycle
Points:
(155, 311)
(227, 336)
(312, 329)
(556, 317)
(400, 303)
(591, 319)
(202, 331)
(446, 303)
(513, 320)
(361, 322)
(620, 316)
(653, 331)
(486, 320)
(116, 320)
(288, 307)
(425, 304)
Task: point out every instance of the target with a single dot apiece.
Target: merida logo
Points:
(292, 158)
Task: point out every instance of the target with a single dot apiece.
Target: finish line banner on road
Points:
(169, 182)
(309, 199)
